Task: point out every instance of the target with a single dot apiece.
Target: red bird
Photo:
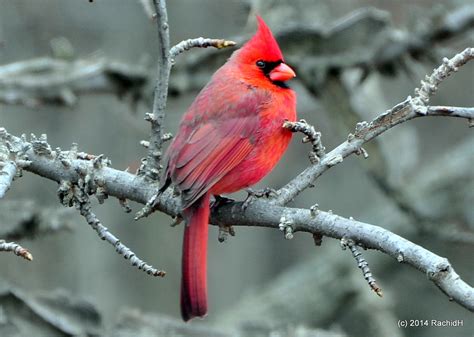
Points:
(229, 139)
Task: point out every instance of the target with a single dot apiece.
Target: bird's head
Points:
(261, 58)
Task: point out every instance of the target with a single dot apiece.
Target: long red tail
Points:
(194, 260)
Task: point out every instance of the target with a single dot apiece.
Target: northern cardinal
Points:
(229, 139)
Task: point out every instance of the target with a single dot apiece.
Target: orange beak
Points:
(282, 73)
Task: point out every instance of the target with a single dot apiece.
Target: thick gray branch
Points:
(7, 173)
(124, 185)
(435, 267)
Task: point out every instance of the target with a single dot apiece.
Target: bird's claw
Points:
(267, 192)
(176, 220)
(219, 201)
(224, 232)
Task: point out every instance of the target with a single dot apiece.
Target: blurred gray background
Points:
(257, 280)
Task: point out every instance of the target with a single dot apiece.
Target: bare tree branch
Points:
(362, 264)
(311, 135)
(124, 185)
(86, 176)
(156, 118)
(83, 203)
(16, 249)
(437, 268)
(46, 80)
(402, 112)
(199, 42)
(451, 111)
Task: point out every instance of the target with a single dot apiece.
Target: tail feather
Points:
(194, 261)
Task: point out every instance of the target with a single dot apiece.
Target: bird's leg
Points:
(219, 201)
(224, 230)
(176, 220)
(267, 192)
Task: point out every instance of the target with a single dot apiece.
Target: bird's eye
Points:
(261, 64)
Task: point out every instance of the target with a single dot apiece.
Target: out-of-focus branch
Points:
(48, 313)
(364, 39)
(46, 80)
(26, 219)
(136, 323)
(147, 8)
(402, 112)
(16, 249)
(429, 191)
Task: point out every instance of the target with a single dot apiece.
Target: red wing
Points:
(215, 135)
(212, 150)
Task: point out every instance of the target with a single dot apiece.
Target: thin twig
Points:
(199, 42)
(83, 204)
(311, 136)
(156, 118)
(16, 249)
(362, 264)
(429, 85)
(451, 111)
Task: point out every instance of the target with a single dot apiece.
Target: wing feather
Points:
(210, 146)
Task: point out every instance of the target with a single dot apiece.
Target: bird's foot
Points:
(220, 200)
(176, 220)
(267, 192)
(224, 232)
